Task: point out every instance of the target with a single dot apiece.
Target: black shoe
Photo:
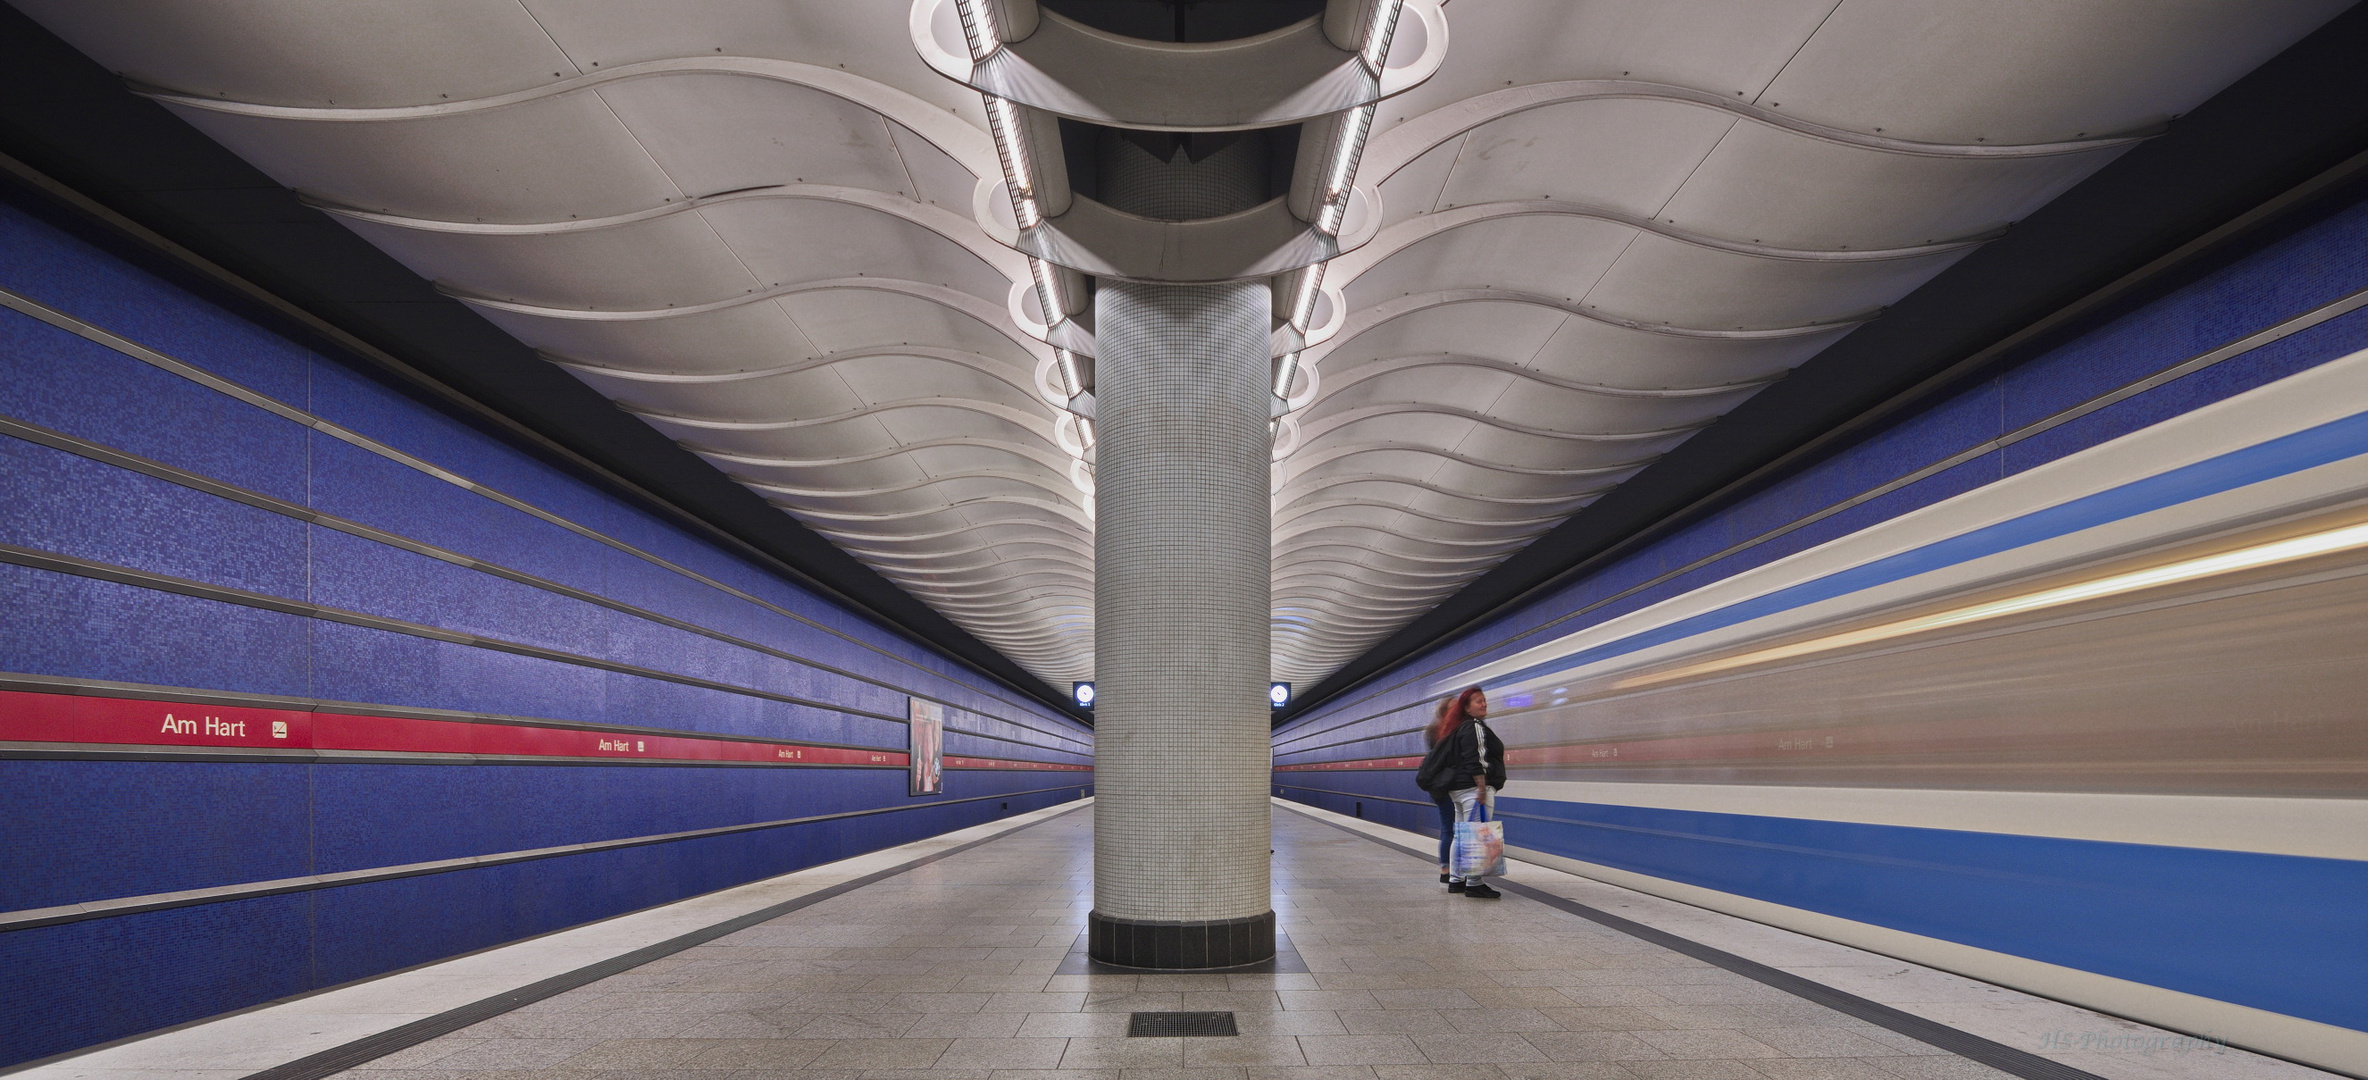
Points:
(1445, 878)
(1479, 890)
(1455, 886)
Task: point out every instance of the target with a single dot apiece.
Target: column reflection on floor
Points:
(948, 972)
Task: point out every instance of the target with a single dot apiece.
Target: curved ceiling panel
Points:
(565, 154)
(2038, 70)
(357, 55)
(771, 258)
(1606, 225)
(757, 224)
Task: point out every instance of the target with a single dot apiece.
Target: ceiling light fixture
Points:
(1047, 281)
(1050, 298)
(1378, 34)
(1011, 151)
(1284, 372)
(1345, 152)
(1003, 120)
(2282, 551)
(1340, 182)
(1009, 128)
(1303, 310)
(978, 27)
(1071, 380)
(1303, 305)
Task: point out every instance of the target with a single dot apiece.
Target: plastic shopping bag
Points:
(1479, 849)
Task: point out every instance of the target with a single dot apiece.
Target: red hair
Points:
(1453, 712)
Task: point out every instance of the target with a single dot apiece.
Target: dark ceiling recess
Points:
(1081, 143)
(2294, 118)
(1186, 20)
(73, 122)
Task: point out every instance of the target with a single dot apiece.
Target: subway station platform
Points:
(549, 540)
(958, 958)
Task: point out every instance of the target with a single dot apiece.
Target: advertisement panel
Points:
(926, 741)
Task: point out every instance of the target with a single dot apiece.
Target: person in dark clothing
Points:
(1465, 766)
(1440, 797)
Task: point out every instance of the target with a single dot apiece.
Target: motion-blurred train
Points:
(2093, 726)
(2228, 663)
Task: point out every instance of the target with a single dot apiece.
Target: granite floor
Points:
(950, 972)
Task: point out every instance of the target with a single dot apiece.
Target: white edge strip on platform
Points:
(2313, 828)
(2059, 1013)
(247, 1042)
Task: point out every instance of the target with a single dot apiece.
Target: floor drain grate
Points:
(1170, 1024)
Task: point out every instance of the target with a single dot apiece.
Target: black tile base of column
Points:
(1180, 946)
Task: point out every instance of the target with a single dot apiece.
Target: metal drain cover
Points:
(1188, 1024)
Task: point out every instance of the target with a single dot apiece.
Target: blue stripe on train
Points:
(2283, 933)
(2327, 443)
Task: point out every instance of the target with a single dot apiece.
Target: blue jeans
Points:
(1446, 823)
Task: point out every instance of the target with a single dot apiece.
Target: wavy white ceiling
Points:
(1605, 224)
(756, 224)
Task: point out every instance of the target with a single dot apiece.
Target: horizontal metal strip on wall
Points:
(86, 568)
(131, 905)
(66, 751)
(56, 684)
(204, 484)
(28, 306)
(2229, 351)
(1354, 795)
(1358, 739)
(121, 752)
(107, 455)
(1364, 764)
(124, 575)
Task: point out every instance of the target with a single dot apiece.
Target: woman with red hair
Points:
(1464, 767)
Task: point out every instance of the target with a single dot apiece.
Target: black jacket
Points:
(1451, 765)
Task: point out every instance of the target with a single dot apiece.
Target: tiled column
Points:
(1181, 608)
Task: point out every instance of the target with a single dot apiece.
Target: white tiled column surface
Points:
(1181, 555)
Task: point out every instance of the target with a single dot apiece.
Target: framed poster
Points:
(925, 746)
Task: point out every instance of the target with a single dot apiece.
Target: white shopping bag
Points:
(1479, 849)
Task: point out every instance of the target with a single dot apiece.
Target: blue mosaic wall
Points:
(82, 830)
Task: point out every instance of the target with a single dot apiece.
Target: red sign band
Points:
(28, 717)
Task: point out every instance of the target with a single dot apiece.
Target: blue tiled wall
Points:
(84, 830)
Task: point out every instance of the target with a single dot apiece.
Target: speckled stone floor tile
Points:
(948, 972)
